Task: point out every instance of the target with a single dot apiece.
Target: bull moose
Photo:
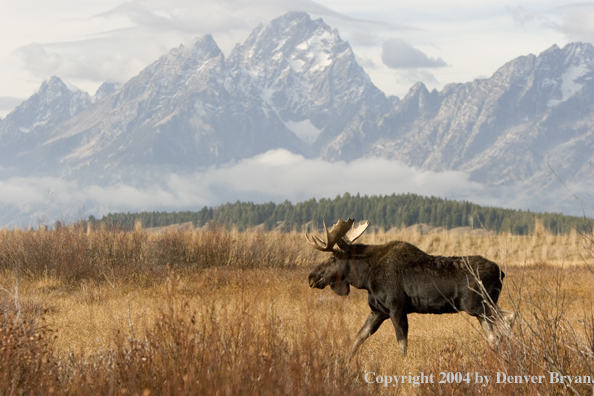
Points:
(401, 279)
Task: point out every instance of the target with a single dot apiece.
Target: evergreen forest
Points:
(396, 210)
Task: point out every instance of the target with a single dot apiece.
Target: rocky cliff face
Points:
(29, 125)
(534, 111)
(308, 76)
(52, 105)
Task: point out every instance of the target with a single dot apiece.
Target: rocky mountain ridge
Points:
(293, 83)
(533, 114)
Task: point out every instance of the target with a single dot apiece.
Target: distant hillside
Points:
(382, 211)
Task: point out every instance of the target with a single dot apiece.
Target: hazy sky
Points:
(87, 42)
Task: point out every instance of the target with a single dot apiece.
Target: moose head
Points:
(335, 269)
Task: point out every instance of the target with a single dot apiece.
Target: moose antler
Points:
(356, 231)
(339, 231)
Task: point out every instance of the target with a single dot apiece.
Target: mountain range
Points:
(294, 84)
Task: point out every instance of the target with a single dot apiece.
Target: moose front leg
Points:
(373, 322)
(400, 322)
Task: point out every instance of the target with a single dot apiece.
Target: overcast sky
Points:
(87, 42)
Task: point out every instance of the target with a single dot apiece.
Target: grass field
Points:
(216, 312)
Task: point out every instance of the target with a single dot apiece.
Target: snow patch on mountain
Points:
(569, 83)
(304, 130)
(317, 50)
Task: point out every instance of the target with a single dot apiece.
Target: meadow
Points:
(217, 312)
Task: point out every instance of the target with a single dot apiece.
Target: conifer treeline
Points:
(384, 211)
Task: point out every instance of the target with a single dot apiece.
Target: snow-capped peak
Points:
(306, 73)
(569, 67)
(51, 105)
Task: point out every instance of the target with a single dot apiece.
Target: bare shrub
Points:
(72, 253)
(28, 365)
(233, 314)
(552, 336)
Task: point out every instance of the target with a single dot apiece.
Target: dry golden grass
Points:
(568, 249)
(217, 312)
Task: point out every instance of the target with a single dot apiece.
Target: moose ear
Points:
(341, 287)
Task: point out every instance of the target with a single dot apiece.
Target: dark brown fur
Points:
(402, 279)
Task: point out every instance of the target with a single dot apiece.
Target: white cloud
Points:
(8, 103)
(398, 54)
(578, 24)
(574, 20)
(97, 67)
(124, 39)
(365, 38)
(273, 176)
(522, 17)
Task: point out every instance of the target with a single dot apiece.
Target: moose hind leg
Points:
(487, 325)
(508, 318)
(400, 322)
(373, 322)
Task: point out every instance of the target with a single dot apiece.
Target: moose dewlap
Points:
(401, 279)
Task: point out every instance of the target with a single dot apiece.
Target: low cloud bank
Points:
(276, 176)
